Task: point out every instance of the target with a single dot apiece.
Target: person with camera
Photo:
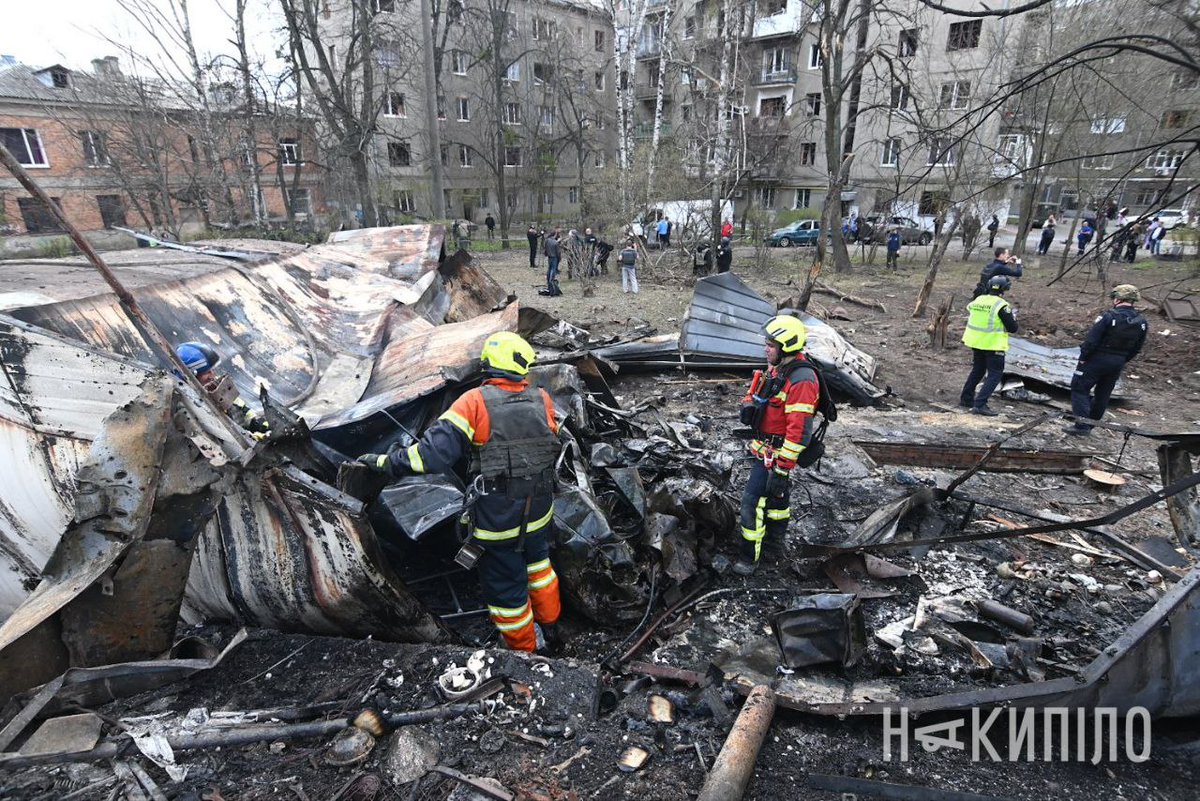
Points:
(779, 408)
(1004, 264)
(1116, 337)
(508, 431)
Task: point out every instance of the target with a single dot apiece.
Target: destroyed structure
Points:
(131, 507)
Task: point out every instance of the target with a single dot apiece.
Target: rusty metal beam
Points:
(734, 766)
(963, 457)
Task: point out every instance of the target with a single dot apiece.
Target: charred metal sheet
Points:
(598, 571)
(1054, 366)
(1006, 460)
(472, 291)
(420, 504)
(403, 252)
(1152, 665)
(882, 524)
(96, 686)
(1175, 463)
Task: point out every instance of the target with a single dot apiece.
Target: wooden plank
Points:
(961, 457)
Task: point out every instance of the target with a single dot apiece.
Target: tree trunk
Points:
(940, 245)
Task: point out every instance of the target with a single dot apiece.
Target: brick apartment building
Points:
(112, 152)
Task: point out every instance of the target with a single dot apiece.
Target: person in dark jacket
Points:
(553, 250)
(1004, 264)
(1115, 338)
(1047, 236)
(992, 228)
(533, 234)
(894, 242)
(724, 255)
(490, 222)
(1084, 237)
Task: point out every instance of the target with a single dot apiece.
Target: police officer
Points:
(509, 430)
(1114, 339)
(202, 360)
(989, 323)
(779, 406)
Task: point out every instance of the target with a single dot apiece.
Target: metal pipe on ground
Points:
(734, 766)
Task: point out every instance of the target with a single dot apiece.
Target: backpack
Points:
(829, 414)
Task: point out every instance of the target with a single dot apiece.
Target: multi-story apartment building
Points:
(939, 125)
(524, 98)
(112, 152)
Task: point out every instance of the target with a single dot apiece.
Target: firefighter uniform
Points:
(1116, 337)
(509, 431)
(780, 405)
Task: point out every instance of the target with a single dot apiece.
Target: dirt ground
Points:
(553, 738)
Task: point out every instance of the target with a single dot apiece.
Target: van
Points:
(691, 220)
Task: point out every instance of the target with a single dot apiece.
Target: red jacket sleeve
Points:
(798, 409)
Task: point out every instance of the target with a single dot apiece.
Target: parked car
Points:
(1171, 218)
(911, 232)
(801, 232)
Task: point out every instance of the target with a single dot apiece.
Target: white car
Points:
(1170, 218)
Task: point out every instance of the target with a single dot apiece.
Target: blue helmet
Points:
(197, 357)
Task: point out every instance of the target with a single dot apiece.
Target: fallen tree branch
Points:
(826, 289)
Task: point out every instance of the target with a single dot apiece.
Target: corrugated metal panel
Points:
(1054, 366)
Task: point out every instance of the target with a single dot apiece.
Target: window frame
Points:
(807, 154)
(466, 157)
(390, 106)
(891, 148)
(458, 62)
(509, 150)
(807, 199)
(964, 35)
(29, 151)
(399, 153)
(405, 202)
(290, 195)
(909, 42)
(463, 108)
(95, 149)
(815, 59)
(290, 154)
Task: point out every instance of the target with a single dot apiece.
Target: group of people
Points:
(1124, 244)
(1115, 338)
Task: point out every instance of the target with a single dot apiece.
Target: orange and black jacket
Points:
(786, 426)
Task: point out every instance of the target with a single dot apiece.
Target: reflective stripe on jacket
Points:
(786, 426)
(984, 329)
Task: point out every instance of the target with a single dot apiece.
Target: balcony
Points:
(647, 91)
(789, 21)
(645, 130)
(649, 48)
(786, 75)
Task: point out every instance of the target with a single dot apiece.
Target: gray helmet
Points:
(999, 284)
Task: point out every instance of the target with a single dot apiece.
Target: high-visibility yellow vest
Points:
(984, 329)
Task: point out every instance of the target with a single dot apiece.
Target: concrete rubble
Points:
(131, 515)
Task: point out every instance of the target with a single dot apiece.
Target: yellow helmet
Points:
(788, 331)
(508, 353)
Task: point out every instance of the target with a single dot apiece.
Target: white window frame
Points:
(1109, 125)
(466, 157)
(513, 73)
(512, 113)
(405, 201)
(573, 195)
(959, 96)
(812, 104)
(29, 151)
(815, 60)
(458, 62)
(901, 50)
(802, 199)
(949, 150)
(764, 196)
(890, 157)
(546, 119)
(1165, 159)
(95, 149)
(464, 108)
(392, 109)
(297, 194)
(777, 60)
(289, 152)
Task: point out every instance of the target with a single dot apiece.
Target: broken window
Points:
(26, 146)
(112, 210)
(542, 72)
(466, 156)
(598, 37)
(1176, 119)
(95, 148)
(815, 59)
(289, 152)
(441, 107)
(598, 81)
(803, 199)
(544, 29)
(1108, 125)
(399, 154)
(512, 113)
(955, 95)
(689, 27)
(381, 6)
(772, 107)
(964, 35)
(299, 201)
(765, 196)
(808, 153)
(899, 97)
(59, 78)
(908, 43)
(512, 157)
(943, 152)
(38, 219)
(573, 195)
(405, 202)
(513, 73)
(812, 104)
(394, 105)
(546, 119)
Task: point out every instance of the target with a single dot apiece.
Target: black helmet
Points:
(998, 284)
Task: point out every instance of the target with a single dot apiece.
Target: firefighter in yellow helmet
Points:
(508, 430)
(779, 408)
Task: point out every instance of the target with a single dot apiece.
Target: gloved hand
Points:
(746, 413)
(777, 483)
(378, 462)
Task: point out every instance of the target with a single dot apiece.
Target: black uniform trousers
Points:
(984, 362)
(1092, 386)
